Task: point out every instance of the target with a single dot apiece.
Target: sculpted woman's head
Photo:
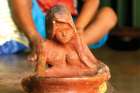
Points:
(60, 24)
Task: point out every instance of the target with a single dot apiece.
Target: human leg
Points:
(103, 23)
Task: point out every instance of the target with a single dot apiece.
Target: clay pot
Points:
(84, 84)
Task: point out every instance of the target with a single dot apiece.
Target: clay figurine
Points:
(70, 67)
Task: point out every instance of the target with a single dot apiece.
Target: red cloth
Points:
(47, 4)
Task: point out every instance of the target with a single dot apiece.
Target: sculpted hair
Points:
(58, 13)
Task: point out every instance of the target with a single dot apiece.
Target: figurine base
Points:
(84, 84)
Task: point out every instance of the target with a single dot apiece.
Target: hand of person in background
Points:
(38, 57)
(37, 51)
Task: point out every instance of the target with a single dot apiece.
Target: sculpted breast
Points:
(55, 55)
(72, 56)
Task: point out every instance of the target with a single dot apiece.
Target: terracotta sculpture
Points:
(67, 55)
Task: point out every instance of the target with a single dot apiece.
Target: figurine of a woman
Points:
(66, 54)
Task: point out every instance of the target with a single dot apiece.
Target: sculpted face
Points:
(60, 24)
(63, 32)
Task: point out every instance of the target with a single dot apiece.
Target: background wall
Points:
(136, 13)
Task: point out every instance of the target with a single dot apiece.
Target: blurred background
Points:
(126, 35)
(121, 53)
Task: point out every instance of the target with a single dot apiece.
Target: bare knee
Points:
(109, 15)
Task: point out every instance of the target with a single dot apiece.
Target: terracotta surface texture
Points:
(70, 66)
